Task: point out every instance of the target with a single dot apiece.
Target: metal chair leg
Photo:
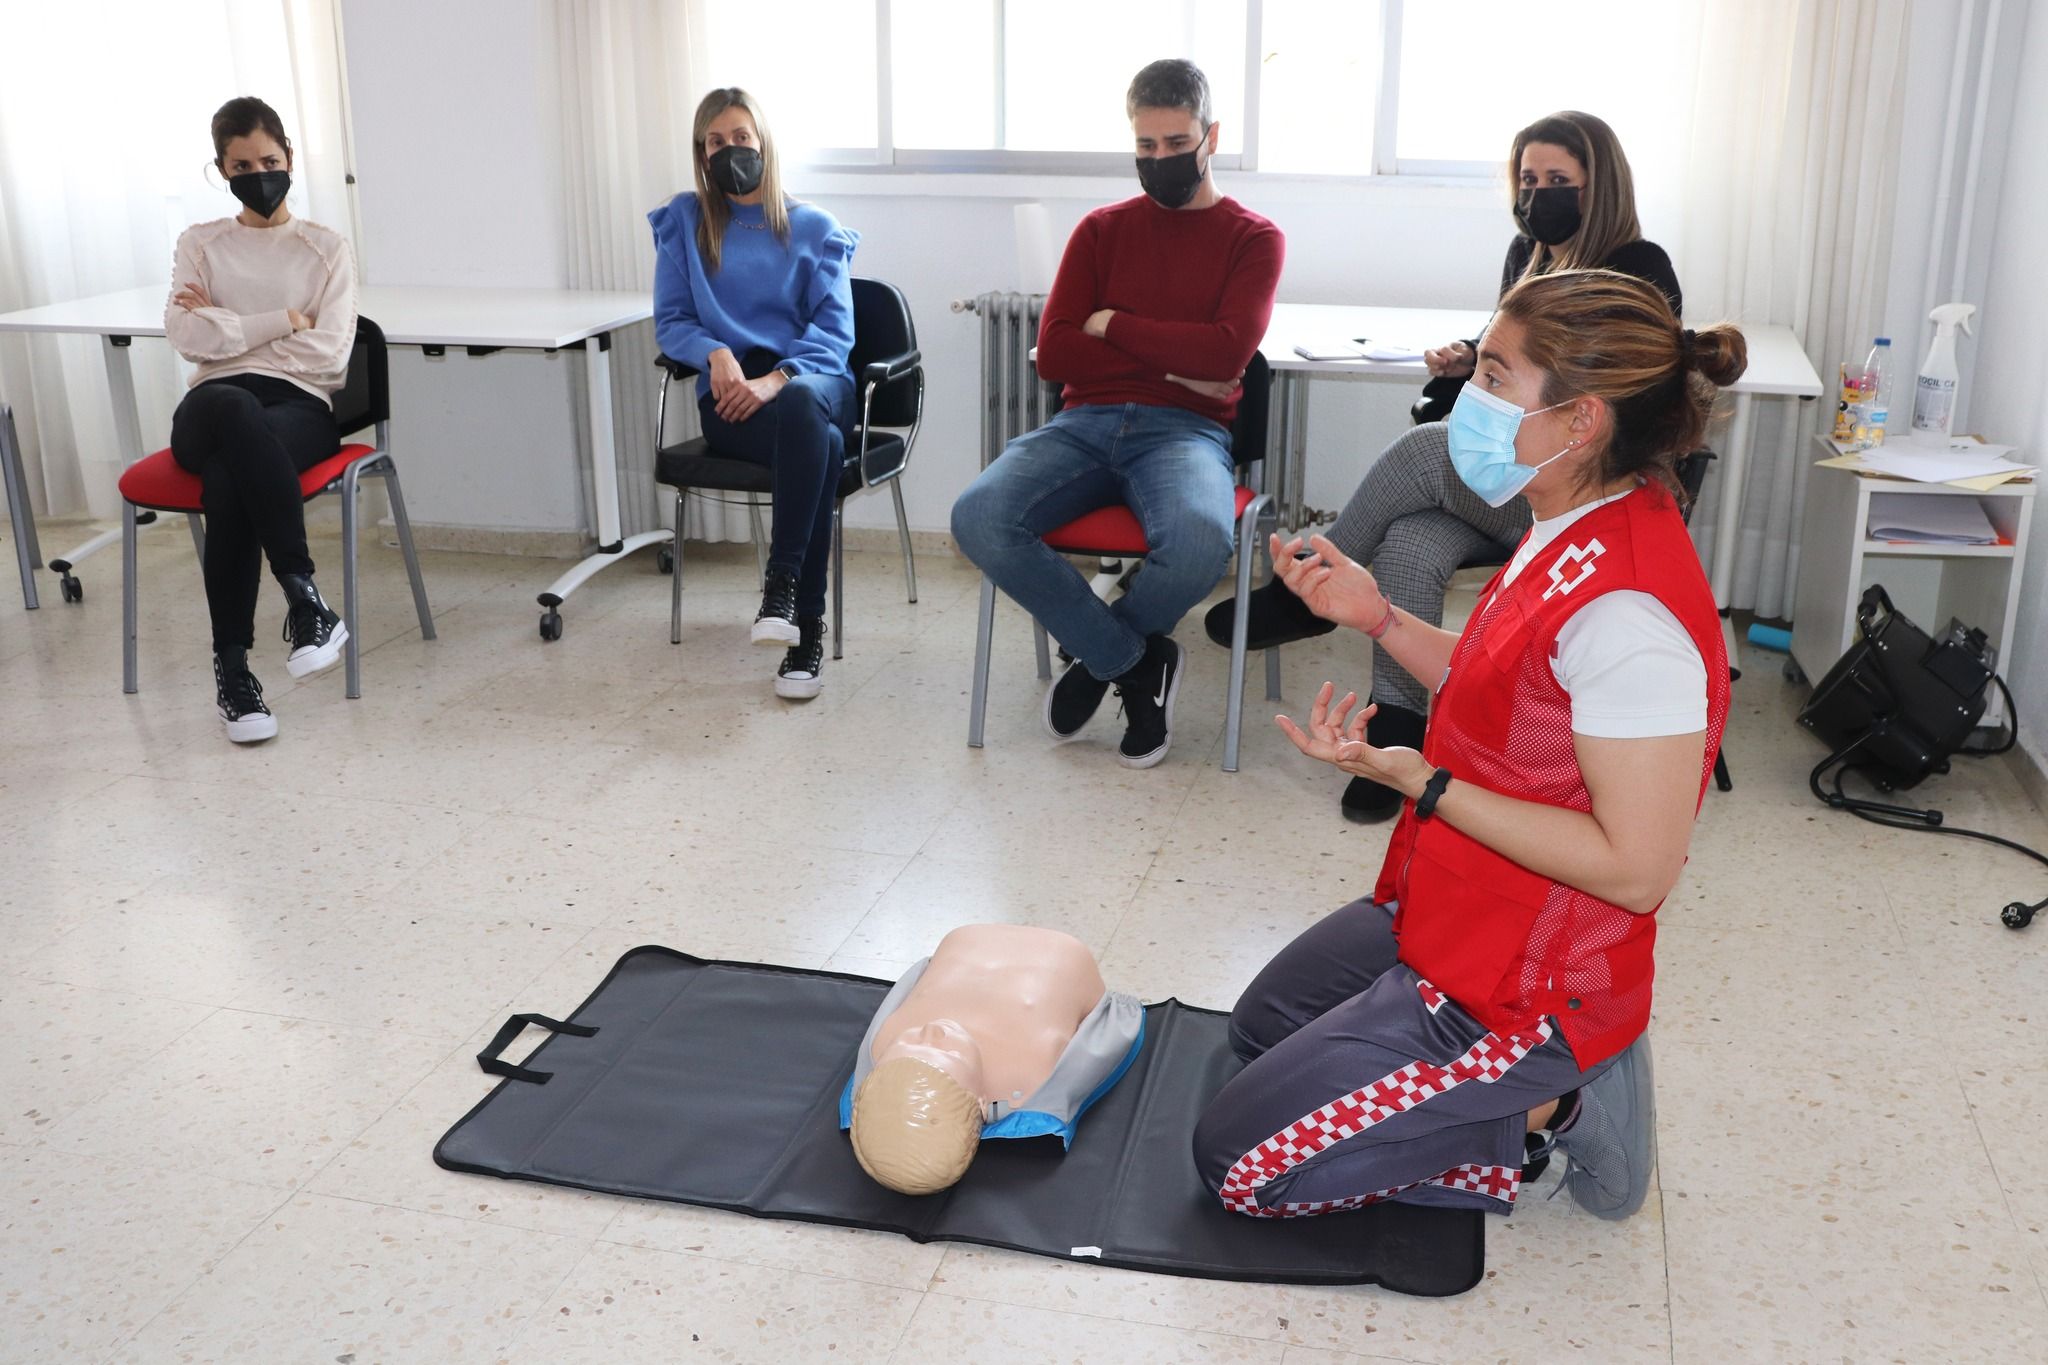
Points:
(984, 635)
(412, 559)
(198, 528)
(1273, 674)
(1722, 778)
(838, 580)
(760, 536)
(352, 650)
(903, 534)
(127, 596)
(675, 589)
(1044, 652)
(1240, 627)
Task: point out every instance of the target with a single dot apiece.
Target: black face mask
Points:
(736, 169)
(261, 191)
(1549, 214)
(1170, 180)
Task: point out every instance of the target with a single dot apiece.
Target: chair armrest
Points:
(894, 367)
(676, 368)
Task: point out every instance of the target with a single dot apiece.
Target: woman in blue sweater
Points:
(754, 290)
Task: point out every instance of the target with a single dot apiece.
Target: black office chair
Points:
(888, 373)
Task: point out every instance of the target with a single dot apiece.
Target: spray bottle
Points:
(1934, 393)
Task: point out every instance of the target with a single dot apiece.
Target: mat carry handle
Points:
(490, 1061)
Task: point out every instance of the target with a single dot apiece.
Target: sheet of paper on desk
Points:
(1334, 348)
(1375, 348)
(1940, 461)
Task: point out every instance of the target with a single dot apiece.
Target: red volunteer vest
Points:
(1508, 944)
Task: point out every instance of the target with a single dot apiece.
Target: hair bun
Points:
(1720, 353)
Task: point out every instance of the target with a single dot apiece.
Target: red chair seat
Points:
(1114, 530)
(160, 482)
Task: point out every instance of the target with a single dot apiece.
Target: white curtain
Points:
(1786, 201)
(105, 156)
(630, 78)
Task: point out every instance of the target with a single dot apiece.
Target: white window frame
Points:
(887, 157)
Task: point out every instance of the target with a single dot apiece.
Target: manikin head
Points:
(918, 1116)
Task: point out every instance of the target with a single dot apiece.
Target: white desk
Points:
(494, 319)
(1777, 366)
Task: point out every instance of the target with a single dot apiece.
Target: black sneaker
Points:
(1072, 700)
(803, 664)
(1367, 802)
(1147, 693)
(775, 624)
(1277, 617)
(314, 630)
(240, 698)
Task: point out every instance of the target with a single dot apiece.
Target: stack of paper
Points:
(1923, 519)
(1961, 461)
(1357, 348)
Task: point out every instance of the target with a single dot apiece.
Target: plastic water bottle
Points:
(1874, 408)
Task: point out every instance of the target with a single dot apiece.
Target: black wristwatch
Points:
(1425, 804)
(788, 370)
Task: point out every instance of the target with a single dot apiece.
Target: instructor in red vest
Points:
(1488, 1003)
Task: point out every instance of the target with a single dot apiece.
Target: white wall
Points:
(457, 157)
(2009, 401)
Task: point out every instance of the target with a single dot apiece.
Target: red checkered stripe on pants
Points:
(1486, 1061)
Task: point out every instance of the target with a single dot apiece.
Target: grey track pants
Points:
(1413, 522)
(1366, 1083)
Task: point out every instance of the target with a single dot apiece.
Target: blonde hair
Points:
(1611, 336)
(713, 210)
(1607, 205)
(915, 1129)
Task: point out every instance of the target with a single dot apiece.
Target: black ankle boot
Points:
(314, 631)
(803, 663)
(1367, 802)
(240, 698)
(775, 623)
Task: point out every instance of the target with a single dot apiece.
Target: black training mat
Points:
(717, 1083)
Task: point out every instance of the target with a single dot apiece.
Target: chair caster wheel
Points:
(1794, 673)
(551, 624)
(665, 560)
(2017, 915)
(71, 588)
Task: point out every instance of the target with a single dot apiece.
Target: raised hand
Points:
(1336, 737)
(1330, 583)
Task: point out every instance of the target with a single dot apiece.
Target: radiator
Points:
(1014, 399)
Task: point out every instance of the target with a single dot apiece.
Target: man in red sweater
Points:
(1159, 304)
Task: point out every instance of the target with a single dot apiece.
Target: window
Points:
(1590, 55)
(1316, 87)
(812, 65)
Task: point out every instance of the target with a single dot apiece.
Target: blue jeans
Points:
(801, 436)
(1169, 466)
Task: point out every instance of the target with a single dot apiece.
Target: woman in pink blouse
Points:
(264, 304)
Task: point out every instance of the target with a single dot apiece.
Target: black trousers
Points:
(248, 437)
(802, 438)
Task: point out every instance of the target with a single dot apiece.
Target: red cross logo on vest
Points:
(1581, 555)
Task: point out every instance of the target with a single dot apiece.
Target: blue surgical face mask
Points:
(1482, 430)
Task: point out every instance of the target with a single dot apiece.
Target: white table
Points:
(1777, 366)
(485, 319)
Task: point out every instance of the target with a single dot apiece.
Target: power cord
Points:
(2016, 914)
